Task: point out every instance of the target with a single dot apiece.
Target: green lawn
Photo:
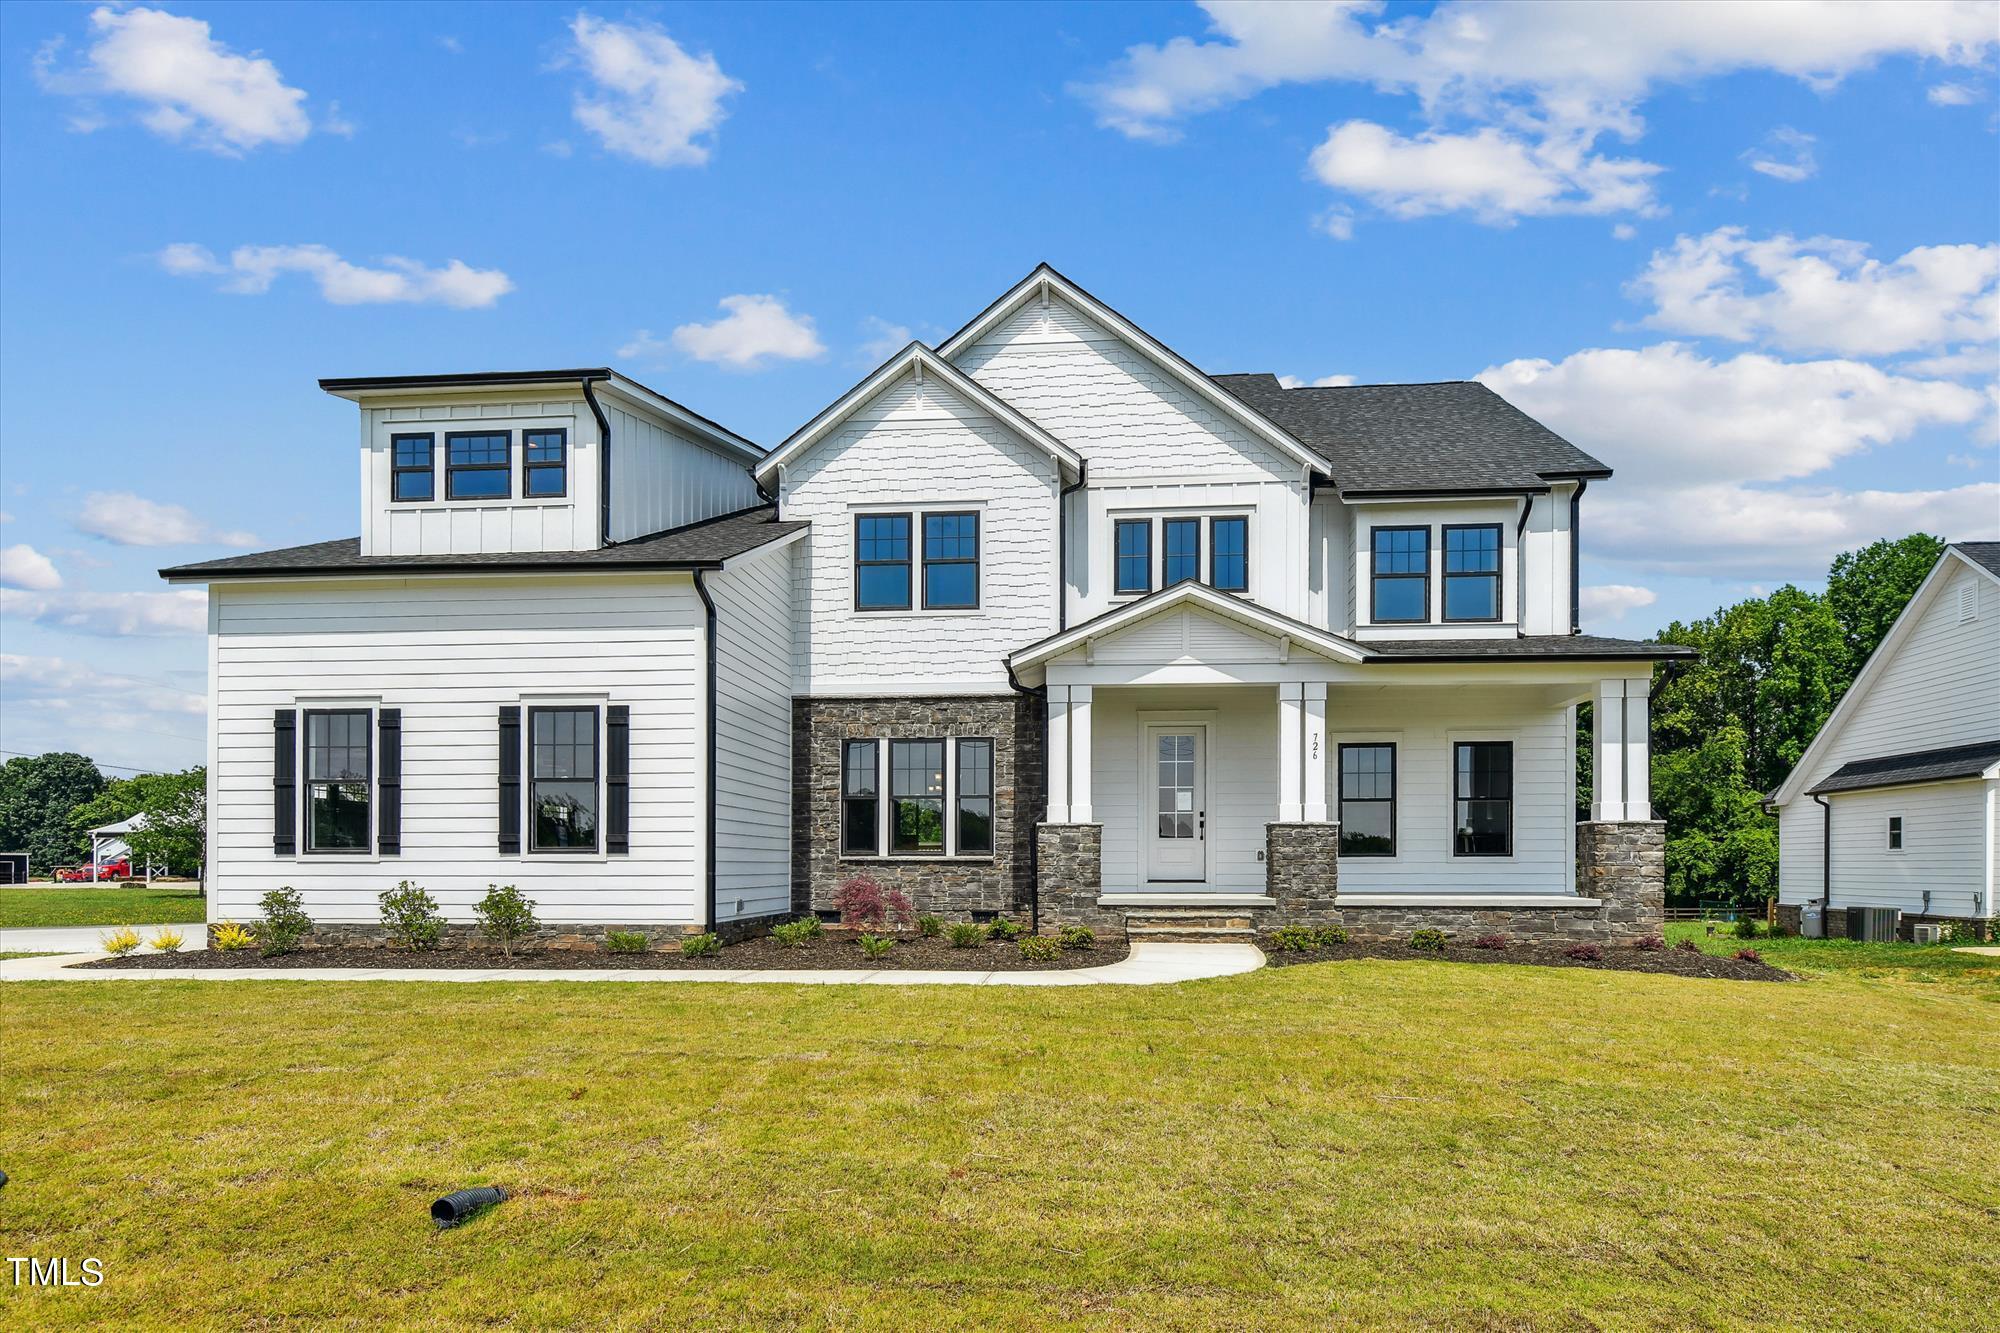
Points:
(99, 905)
(1915, 963)
(1348, 1145)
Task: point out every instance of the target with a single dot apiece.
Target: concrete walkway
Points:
(1147, 965)
(1989, 950)
(85, 939)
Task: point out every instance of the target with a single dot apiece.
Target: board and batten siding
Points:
(1939, 687)
(449, 652)
(662, 478)
(753, 733)
(913, 449)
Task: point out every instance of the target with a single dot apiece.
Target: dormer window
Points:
(476, 465)
(1401, 579)
(413, 471)
(545, 463)
(1472, 571)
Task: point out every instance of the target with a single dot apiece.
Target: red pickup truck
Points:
(110, 870)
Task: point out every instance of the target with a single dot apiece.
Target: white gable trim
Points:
(920, 359)
(1202, 598)
(1045, 281)
(1877, 663)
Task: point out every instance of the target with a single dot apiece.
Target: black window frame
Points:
(1446, 575)
(1376, 577)
(924, 574)
(531, 842)
(452, 469)
(1341, 797)
(529, 467)
(959, 798)
(908, 562)
(1215, 549)
(1895, 833)
(1119, 588)
(1167, 523)
(848, 800)
(1457, 847)
(942, 799)
(310, 844)
(398, 469)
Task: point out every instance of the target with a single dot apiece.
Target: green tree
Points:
(175, 835)
(37, 797)
(1867, 589)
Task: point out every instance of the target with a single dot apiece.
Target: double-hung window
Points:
(339, 778)
(1229, 554)
(477, 466)
(413, 471)
(545, 463)
(1895, 833)
(1132, 541)
(562, 778)
(939, 800)
(916, 797)
(860, 797)
(1472, 571)
(882, 562)
(975, 797)
(1483, 798)
(951, 561)
(1401, 583)
(1368, 800)
(1180, 551)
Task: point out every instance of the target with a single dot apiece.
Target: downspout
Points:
(708, 831)
(1825, 862)
(1062, 548)
(1521, 564)
(1575, 575)
(603, 467)
(1034, 843)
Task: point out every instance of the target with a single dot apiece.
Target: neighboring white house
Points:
(1041, 621)
(108, 844)
(1902, 784)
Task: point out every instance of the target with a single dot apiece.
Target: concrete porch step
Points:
(1187, 934)
(1189, 923)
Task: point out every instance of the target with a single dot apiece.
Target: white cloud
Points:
(1965, 362)
(1821, 294)
(756, 329)
(1337, 222)
(1952, 94)
(883, 339)
(643, 346)
(22, 566)
(452, 44)
(1624, 231)
(118, 614)
(1798, 163)
(1323, 382)
(252, 269)
(191, 88)
(1490, 173)
(650, 100)
(62, 685)
(132, 520)
(1610, 601)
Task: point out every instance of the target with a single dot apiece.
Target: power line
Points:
(122, 768)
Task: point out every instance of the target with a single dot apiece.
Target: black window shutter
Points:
(389, 781)
(510, 780)
(284, 782)
(618, 779)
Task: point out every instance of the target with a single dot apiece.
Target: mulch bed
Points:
(1673, 962)
(831, 952)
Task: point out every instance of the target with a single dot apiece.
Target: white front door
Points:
(1177, 818)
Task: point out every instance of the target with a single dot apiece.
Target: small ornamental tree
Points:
(505, 915)
(862, 902)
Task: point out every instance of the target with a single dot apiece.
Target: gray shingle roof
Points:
(1901, 770)
(1984, 554)
(702, 545)
(1454, 436)
(1533, 647)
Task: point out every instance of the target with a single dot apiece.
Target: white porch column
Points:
(1639, 749)
(1620, 771)
(1291, 743)
(1058, 754)
(1314, 752)
(1079, 754)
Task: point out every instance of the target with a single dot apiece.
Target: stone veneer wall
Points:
(1001, 883)
(467, 935)
(1302, 872)
(1069, 861)
(1976, 927)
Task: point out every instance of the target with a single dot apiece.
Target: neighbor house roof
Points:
(1902, 770)
(1393, 439)
(1984, 554)
(703, 545)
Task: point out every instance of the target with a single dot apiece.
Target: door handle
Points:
(1203, 818)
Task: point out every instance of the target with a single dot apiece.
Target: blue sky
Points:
(1748, 259)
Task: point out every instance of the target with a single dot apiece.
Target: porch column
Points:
(1622, 724)
(1314, 752)
(1058, 754)
(1079, 755)
(1291, 745)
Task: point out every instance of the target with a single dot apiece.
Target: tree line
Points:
(50, 802)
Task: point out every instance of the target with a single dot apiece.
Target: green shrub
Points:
(701, 946)
(120, 941)
(930, 926)
(1077, 937)
(411, 917)
(229, 937)
(877, 946)
(797, 934)
(964, 935)
(1331, 935)
(1746, 928)
(625, 941)
(285, 921)
(1040, 948)
(1295, 939)
(505, 915)
(1005, 929)
(1428, 939)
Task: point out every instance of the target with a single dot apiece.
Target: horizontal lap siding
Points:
(449, 653)
(753, 779)
(1944, 848)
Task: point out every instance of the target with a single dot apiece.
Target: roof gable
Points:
(1188, 622)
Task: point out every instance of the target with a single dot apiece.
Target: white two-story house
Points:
(1043, 621)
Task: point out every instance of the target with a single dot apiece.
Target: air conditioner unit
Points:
(1872, 925)
(1927, 934)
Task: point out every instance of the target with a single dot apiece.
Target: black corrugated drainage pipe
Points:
(708, 832)
(1040, 695)
(1062, 544)
(603, 464)
(460, 1205)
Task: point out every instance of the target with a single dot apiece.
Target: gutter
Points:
(708, 808)
(604, 464)
(1062, 548)
(1034, 843)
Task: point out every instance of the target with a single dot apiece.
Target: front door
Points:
(1177, 832)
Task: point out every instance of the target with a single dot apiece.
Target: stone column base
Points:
(1069, 871)
(1302, 872)
(1625, 863)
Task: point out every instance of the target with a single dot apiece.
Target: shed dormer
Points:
(541, 460)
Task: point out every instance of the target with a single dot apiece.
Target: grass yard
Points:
(1351, 1144)
(22, 906)
(1915, 963)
